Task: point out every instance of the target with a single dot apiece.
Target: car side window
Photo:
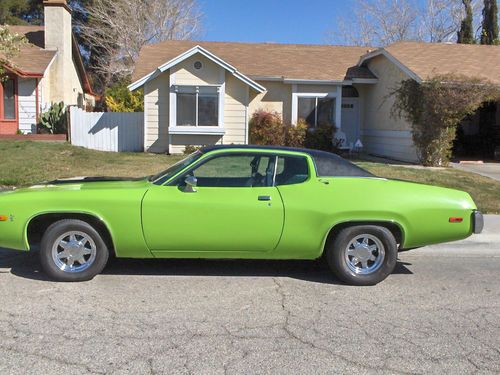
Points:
(240, 170)
(291, 170)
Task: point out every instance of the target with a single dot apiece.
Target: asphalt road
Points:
(438, 313)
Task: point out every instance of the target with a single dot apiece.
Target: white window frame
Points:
(337, 94)
(208, 130)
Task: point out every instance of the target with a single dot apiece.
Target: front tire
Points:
(362, 255)
(72, 250)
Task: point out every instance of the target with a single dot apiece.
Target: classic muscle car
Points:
(236, 202)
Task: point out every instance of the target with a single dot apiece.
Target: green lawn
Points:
(26, 162)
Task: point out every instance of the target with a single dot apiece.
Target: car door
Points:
(234, 207)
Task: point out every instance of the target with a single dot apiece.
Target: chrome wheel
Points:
(74, 251)
(364, 254)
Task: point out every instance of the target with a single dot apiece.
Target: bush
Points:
(321, 138)
(119, 98)
(54, 120)
(266, 128)
(295, 136)
(434, 109)
(189, 149)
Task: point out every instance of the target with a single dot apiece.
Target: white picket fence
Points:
(107, 131)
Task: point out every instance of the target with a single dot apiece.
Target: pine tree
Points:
(466, 34)
(489, 32)
(21, 12)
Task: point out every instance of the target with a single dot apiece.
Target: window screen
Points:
(197, 106)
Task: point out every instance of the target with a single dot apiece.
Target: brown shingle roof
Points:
(290, 61)
(33, 59)
(430, 59)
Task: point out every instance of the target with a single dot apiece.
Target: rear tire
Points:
(362, 255)
(72, 250)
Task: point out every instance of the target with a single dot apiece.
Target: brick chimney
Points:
(58, 36)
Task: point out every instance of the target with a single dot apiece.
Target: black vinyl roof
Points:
(271, 148)
(327, 164)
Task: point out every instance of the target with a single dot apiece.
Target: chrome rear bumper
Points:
(477, 222)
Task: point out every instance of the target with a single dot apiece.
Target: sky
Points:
(278, 21)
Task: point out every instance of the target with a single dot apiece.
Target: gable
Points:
(197, 50)
(422, 61)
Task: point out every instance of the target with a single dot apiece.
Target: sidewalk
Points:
(491, 170)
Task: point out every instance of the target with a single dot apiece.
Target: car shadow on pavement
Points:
(26, 265)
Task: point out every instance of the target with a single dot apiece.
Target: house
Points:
(199, 93)
(48, 69)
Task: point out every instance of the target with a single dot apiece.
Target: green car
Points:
(246, 202)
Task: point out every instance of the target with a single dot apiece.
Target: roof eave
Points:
(314, 81)
(22, 73)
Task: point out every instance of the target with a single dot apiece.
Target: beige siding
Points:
(180, 141)
(209, 74)
(156, 97)
(322, 89)
(382, 134)
(235, 102)
(277, 98)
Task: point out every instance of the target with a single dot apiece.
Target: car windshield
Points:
(163, 176)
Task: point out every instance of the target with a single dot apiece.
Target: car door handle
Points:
(264, 198)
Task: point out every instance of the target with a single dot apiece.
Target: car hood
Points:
(77, 180)
(83, 183)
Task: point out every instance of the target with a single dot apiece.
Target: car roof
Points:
(326, 163)
(312, 153)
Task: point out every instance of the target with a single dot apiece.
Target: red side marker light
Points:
(456, 219)
(4, 218)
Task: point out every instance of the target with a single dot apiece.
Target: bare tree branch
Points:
(120, 28)
(382, 22)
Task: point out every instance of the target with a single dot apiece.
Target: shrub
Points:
(295, 136)
(54, 120)
(266, 128)
(321, 138)
(119, 98)
(189, 149)
(434, 109)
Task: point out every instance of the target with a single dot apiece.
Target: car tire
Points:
(72, 250)
(362, 255)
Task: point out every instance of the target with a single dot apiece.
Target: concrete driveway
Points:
(491, 170)
(438, 313)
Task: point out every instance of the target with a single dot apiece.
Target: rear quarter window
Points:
(335, 166)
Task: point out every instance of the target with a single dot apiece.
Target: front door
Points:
(350, 119)
(8, 106)
(235, 208)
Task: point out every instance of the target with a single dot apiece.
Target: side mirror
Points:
(191, 182)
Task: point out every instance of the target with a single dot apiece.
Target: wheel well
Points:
(394, 228)
(39, 224)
